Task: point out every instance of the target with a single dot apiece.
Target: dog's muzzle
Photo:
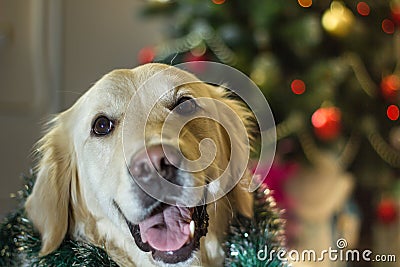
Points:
(170, 232)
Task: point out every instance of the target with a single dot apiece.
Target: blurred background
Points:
(330, 71)
(52, 51)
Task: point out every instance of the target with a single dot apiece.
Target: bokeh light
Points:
(305, 3)
(393, 112)
(390, 86)
(363, 9)
(323, 115)
(395, 8)
(298, 87)
(199, 50)
(327, 123)
(388, 26)
(259, 77)
(146, 55)
(218, 2)
(338, 20)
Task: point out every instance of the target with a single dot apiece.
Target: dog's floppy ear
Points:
(240, 197)
(48, 204)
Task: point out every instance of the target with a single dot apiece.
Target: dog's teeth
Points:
(192, 228)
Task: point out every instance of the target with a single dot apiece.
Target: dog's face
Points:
(104, 161)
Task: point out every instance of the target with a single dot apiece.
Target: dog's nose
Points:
(157, 158)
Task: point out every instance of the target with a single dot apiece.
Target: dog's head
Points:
(106, 163)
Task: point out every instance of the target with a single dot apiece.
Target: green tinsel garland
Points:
(20, 242)
(247, 237)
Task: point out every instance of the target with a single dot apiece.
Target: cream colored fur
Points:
(79, 176)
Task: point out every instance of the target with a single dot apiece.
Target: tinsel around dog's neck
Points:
(20, 243)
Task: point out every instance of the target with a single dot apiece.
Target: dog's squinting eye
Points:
(185, 106)
(102, 126)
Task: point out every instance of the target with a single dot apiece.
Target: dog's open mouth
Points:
(171, 233)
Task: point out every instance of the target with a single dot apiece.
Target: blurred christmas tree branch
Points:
(361, 73)
(382, 148)
(350, 151)
(203, 33)
(396, 40)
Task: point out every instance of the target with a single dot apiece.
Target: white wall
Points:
(101, 35)
(19, 119)
(55, 50)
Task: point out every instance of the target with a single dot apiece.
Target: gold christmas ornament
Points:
(338, 20)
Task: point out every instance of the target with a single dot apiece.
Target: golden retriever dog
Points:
(92, 177)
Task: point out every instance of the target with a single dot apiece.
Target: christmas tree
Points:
(330, 71)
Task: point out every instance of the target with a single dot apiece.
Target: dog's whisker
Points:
(215, 205)
(172, 60)
(208, 178)
(230, 206)
(226, 203)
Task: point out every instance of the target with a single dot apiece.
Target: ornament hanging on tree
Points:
(298, 86)
(363, 9)
(387, 211)
(393, 112)
(327, 123)
(338, 20)
(390, 86)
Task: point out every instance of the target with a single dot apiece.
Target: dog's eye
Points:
(102, 126)
(185, 106)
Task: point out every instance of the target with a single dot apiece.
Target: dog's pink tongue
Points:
(168, 230)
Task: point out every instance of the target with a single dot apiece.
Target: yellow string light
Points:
(338, 20)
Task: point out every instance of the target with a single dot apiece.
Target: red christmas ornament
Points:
(298, 87)
(393, 112)
(327, 123)
(390, 87)
(388, 26)
(396, 14)
(363, 9)
(146, 55)
(387, 211)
